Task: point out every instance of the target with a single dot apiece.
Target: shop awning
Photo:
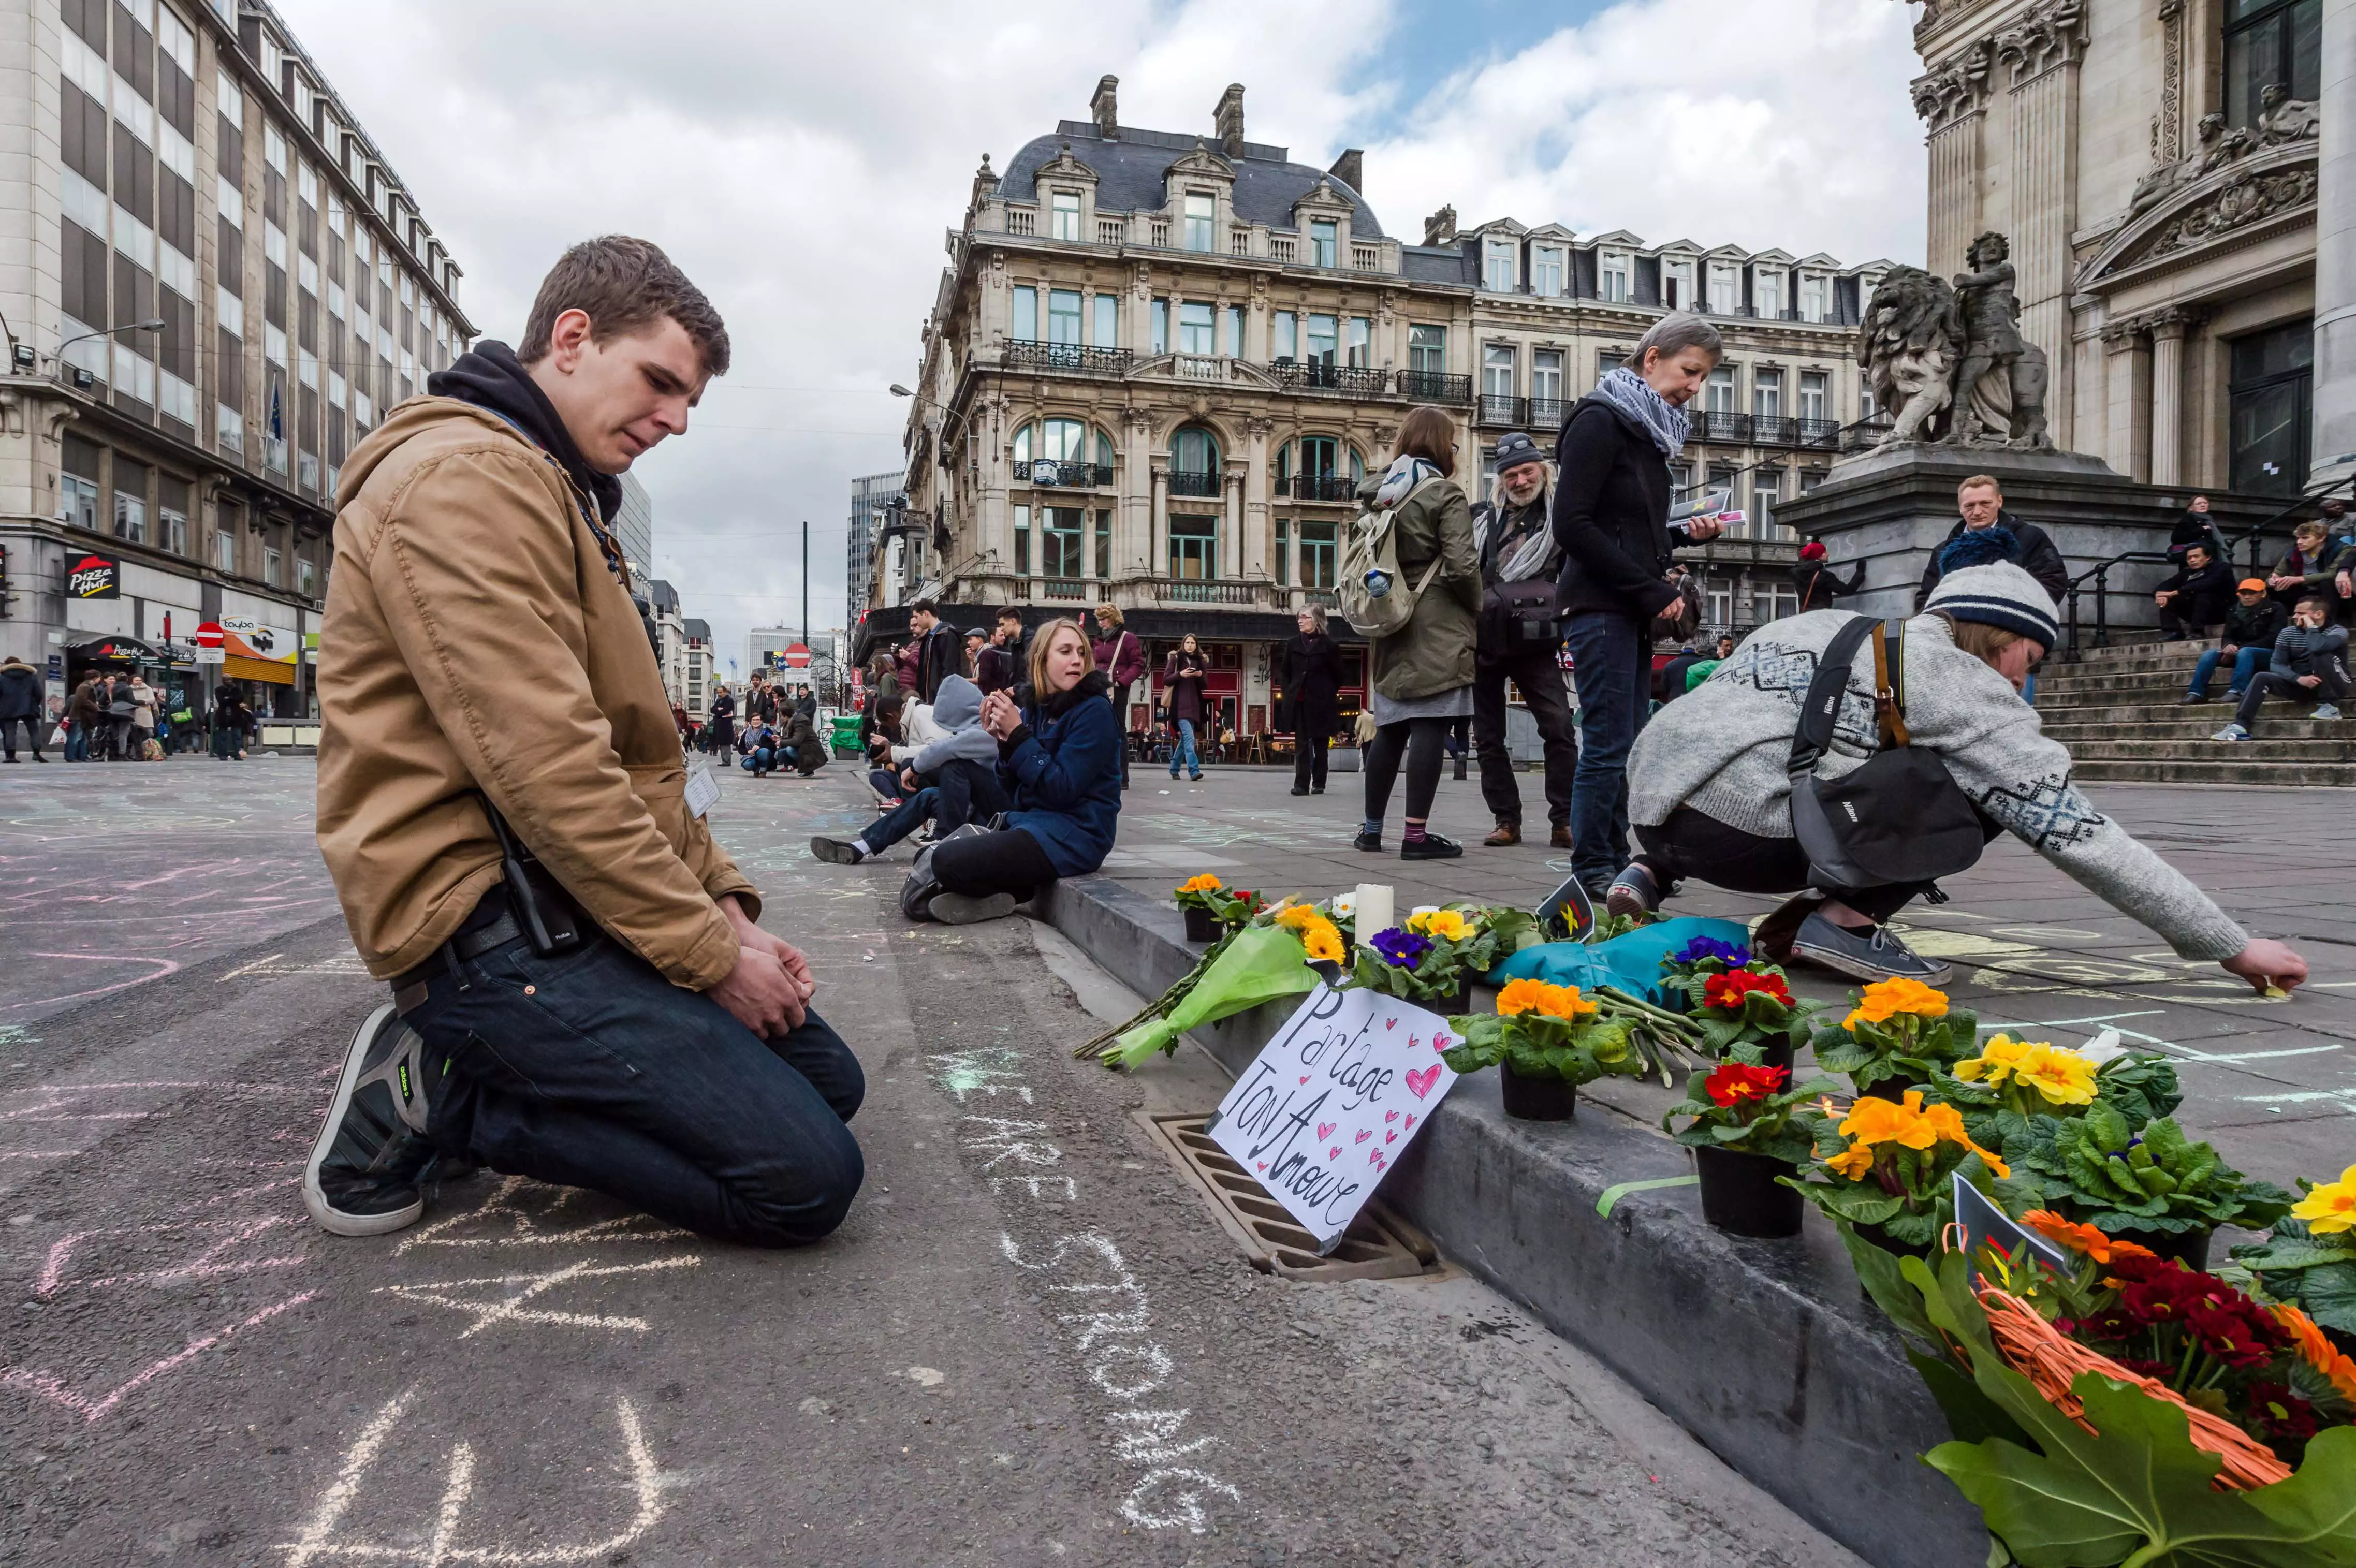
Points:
(117, 650)
(236, 667)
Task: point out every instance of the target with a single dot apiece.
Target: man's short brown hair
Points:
(622, 284)
(1977, 480)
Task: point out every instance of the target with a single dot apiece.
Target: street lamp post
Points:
(153, 324)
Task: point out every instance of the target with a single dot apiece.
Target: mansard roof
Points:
(1130, 174)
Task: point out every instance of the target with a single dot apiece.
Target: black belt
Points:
(409, 989)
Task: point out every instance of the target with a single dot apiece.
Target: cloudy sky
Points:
(803, 162)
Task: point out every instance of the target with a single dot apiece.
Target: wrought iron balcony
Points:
(1323, 487)
(1067, 473)
(1344, 380)
(1822, 434)
(1068, 357)
(1186, 482)
(1434, 387)
(1713, 424)
(1770, 430)
(1547, 413)
(1496, 409)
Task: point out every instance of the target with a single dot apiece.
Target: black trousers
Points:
(1692, 845)
(1421, 741)
(36, 728)
(2190, 613)
(1007, 862)
(2267, 683)
(1309, 753)
(1539, 677)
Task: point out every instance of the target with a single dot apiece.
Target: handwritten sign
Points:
(1331, 1104)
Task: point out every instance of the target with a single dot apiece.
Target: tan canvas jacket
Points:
(475, 638)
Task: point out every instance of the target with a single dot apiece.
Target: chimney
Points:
(1350, 168)
(1103, 109)
(1439, 229)
(1227, 120)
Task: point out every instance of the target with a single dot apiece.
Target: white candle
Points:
(1374, 910)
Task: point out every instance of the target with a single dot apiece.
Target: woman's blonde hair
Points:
(1044, 640)
(1979, 639)
(1110, 610)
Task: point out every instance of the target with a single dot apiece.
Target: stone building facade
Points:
(2160, 166)
(214, 283)
(1158, 364)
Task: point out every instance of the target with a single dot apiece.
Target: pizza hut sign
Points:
(94, 577)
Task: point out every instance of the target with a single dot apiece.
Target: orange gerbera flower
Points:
(2317, 1351)
(2099, 1245)
(1884, 1000)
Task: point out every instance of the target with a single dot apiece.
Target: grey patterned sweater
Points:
(1723, 748)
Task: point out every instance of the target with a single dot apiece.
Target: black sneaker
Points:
(1871, 955)
(1370, 842)
(370, 1158)
(1431, 847)
(837, 851)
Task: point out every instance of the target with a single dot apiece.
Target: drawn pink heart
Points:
(1325, 1129)
(1390, 1138)
(1390, 1115)
(1374, 1157)
(1411, 1124)
(1263, 1165)
(1334, 1153)
(1304, 1078)
(1391, 1023)
(1364, 1135)
(1440, 1042)
(1419, 1083)
(1412, 1042)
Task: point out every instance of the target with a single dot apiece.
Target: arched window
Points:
(1313, 468)
(1194, 462)
(1059, 452)
(1065, 441)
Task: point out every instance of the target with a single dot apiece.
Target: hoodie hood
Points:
(491, 377)
(958, 704)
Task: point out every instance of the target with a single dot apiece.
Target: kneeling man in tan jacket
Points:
(581, 994)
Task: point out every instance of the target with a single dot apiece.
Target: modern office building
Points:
(214, 285)
(873, 498)
(634, 527)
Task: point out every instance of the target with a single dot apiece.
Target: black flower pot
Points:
(1739, 1194)
(1544, 1098)
(1773, 1053)
(1202, 925)
(2190, 1248)
(1453, 1006)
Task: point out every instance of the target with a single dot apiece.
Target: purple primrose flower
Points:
(1401, 949)
(1732, 954)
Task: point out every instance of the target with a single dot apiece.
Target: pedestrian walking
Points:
(940, 648)
(122, 712)
(1182, 676)
(1611, 516)
(1421, 676)
(143, 702)
(1310, 670)
(1712, 790)
(20, 704)
(1121, 660)
(85, 715)
(1520, 640)
(581, 992)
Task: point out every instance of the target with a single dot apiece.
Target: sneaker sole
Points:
(1411, 852)
(334, 1221)
(833, 851)
(956, 909)
(1842, 964)
(1624, 902)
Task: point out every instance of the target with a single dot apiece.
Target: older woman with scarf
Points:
(1423, 673)
(1611, 518)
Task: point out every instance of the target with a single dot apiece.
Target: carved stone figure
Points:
(2219, 144)
(2283, 118)
(1907, 345)
(1999, 386)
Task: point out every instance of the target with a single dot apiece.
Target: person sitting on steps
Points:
(2310, 662)
(951, 782)
(2251, 627)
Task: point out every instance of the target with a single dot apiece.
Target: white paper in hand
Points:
(1332, 1101)
(702, 791)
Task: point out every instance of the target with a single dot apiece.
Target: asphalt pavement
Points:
(1031, 1343)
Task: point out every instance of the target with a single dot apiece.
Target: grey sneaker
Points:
(1875, 955)
(2230, 732)
(1634, 891)
(368, 1164)
(2324, 710)
(956, 909)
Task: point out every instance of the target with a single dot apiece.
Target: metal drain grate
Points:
(1378, 1244)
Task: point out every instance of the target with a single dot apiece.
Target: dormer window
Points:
(1063, 216)
(1497, 266)
(1202, 209)
(1324, 242)
(1816, 299)
(1767, 293)
(1725, 289)
(1545, 269)
(1612, 279)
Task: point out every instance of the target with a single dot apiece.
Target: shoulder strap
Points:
(1822, 704)
(1889, 682)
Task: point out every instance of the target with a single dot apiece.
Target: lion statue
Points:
(1908, 346)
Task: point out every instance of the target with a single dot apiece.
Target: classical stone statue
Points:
(2283, 118)
(1908, 346)
(2000, 386)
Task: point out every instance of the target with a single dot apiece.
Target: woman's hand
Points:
(1000, 716)
(2265, 962)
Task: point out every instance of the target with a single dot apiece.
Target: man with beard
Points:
(1518, 640)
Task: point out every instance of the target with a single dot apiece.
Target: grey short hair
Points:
(1315, 612)
(1673, 334)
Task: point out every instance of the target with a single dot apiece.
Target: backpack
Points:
(1371, 548)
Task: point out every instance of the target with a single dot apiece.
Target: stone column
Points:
(1256, 530)
(1133, 538)
(2334, 447)
(1157, 553)
(2126, 395)
(1951, 101)
(1231, 521)
(2042, 51)
(2167, 330)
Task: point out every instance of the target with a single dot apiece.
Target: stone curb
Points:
(1766, 1351)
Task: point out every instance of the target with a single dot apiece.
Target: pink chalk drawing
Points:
(49, 1386)
(206, 1264)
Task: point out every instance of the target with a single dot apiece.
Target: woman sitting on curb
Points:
(1059, 760)
(1710, 798)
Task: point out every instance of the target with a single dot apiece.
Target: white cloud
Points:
(802, 162)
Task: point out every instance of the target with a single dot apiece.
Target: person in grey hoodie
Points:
(1710, 797)
(952, 779)
(2310, 664)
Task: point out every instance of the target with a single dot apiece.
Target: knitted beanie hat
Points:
(1999, 594)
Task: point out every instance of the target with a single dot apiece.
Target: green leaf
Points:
(2327, 1295)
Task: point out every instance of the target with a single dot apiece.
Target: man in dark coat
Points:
(20, 703)
(2195, 598)
(2027, 546)
(1518, 641)
(999, 665)
(1309, 669)
(940, 649)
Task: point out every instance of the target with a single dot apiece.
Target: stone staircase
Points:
(2119, 710)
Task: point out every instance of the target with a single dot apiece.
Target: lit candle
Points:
(1374, 910)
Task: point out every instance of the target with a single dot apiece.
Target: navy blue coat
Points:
(1063, 771)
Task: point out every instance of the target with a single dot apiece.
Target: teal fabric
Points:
(1631, 963)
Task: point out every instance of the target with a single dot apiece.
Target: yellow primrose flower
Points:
(2330, 1206)
(1878, 1002)
(1298, 917)
(1441, 922)
(1323, 941)
(1853, 1162)
(1998, 1060)
(2063, 1077)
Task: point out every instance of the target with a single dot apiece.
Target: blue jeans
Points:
(760, 760)
(1186, 752)
(590, 1070)
(962, 791)
(77, 744)
(2245, 665)
(1611, 665)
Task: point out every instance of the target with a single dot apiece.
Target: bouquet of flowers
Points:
(2309, 1258)
(1545, 1031)
(1753, 1109)
(1898, 1030)
(1885, 1165)
(1438, 952)
(1266, 957)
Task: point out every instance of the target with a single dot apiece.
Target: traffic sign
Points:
(797, 655)
(209, 635)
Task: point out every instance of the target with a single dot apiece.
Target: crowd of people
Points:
(111, 717)
(771, 727)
